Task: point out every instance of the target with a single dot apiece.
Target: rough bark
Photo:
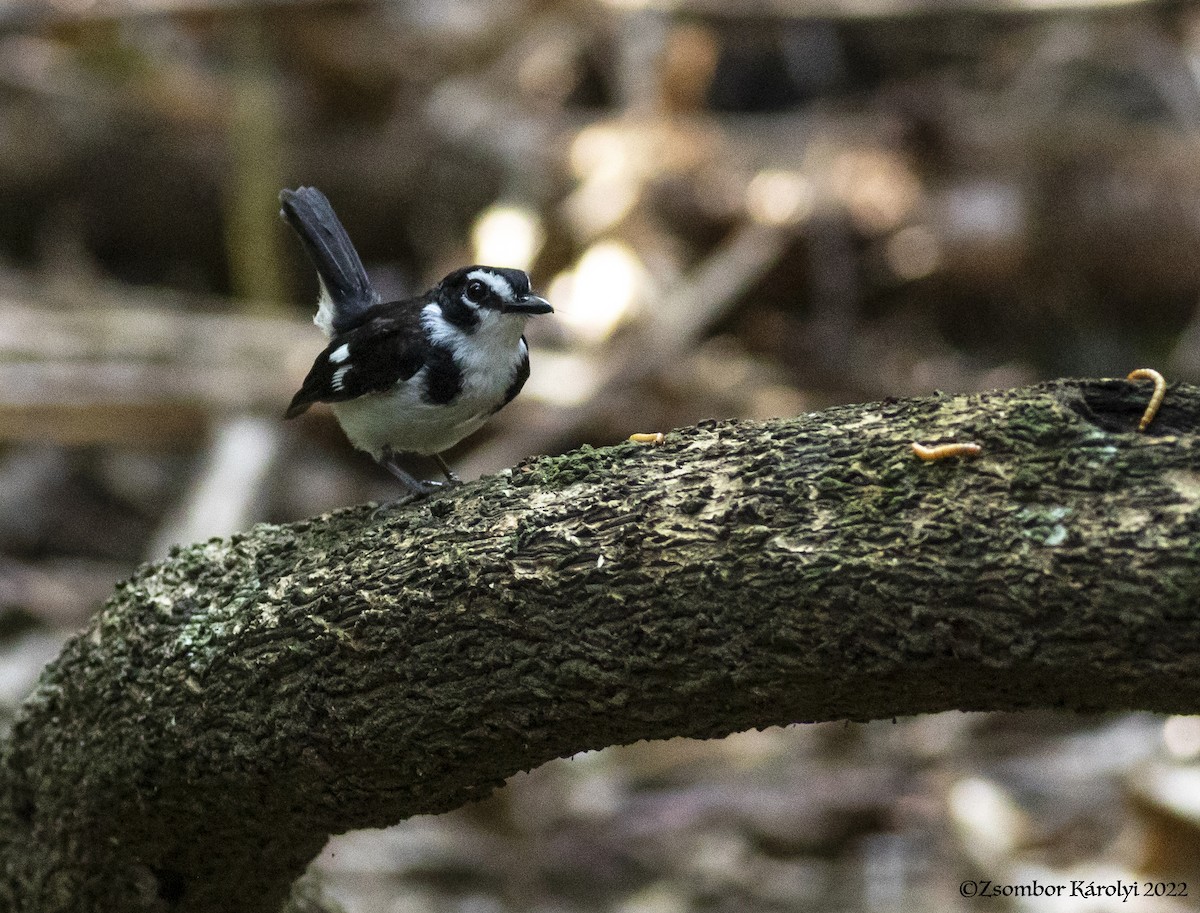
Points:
(231, 707)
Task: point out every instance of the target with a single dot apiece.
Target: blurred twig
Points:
(59, 592)
(254, 130)
(868, 9)
(226, 494)
(113, 371)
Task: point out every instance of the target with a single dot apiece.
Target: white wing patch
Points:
(340, 354)
(498, 284)
(339, 377)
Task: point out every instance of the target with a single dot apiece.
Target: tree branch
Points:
(230, 708)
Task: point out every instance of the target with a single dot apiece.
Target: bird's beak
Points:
(529, 304)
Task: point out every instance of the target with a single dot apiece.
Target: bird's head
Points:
(482, 289)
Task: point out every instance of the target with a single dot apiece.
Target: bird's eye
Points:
(475, 291)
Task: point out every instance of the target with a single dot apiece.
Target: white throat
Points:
(489, 354)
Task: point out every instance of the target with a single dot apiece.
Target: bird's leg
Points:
(450, 476)
(412, 483)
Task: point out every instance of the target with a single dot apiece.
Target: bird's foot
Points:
(417, 488)
(451, 478)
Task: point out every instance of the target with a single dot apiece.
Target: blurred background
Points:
(738, 209)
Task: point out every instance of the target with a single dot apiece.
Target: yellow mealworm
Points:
(1160, 390)
(654, 437)
(944, 451)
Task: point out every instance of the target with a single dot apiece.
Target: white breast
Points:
(402, 420)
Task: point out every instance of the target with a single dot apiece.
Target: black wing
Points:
(343, 277)
(385, 348)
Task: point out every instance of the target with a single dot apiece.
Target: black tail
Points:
(346, 291)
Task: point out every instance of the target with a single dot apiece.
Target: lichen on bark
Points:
(230, 708)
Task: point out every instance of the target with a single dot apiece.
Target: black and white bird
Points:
(411, 376)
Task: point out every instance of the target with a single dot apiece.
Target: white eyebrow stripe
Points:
(340, 354)
(498, 284)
